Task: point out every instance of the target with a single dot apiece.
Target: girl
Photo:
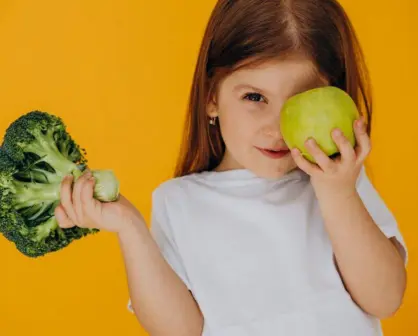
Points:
(249, 238)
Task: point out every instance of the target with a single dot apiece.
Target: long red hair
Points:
(242, 32)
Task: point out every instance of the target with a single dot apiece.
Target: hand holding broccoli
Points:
(79, 207)
(35, 156)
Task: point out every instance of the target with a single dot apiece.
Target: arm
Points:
(161, 301)
(370, 264)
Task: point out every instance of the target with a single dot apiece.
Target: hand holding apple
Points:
(319, 123)
(314, 114)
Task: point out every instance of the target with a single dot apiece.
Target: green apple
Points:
(314, 114)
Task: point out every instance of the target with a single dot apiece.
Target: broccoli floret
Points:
(36, 154)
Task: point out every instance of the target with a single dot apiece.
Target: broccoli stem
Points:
(42, 175)
(44, 230)
(41, 232)
(28, 194)
(45, 147)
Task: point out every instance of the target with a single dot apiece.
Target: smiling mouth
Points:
(274, 154)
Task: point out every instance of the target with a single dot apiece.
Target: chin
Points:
(271, 172)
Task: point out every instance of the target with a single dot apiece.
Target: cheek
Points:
(237, 127)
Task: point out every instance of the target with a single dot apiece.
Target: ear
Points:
(212, 109)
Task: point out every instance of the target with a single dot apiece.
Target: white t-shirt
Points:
(256, 255)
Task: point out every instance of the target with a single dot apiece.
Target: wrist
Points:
(132, 223)
(335, 193)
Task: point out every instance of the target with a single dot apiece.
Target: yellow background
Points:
(119, 72)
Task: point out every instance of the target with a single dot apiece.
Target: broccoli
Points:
(36, 154)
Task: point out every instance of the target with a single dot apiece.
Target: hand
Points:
(79, 208)
(336, 175)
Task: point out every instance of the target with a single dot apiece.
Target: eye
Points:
(255, 97)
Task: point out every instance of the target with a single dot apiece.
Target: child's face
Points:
(248, 105)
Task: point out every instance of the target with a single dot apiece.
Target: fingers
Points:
(67, 200)
(91, 206)
(322, 160)
(303, 163)
(363, 147)
(63, 220)
(344, 146)
(351, 157)
(78, 204)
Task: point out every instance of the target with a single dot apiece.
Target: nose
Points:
(272, 130)
(271, 127)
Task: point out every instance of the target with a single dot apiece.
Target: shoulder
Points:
(176, 188)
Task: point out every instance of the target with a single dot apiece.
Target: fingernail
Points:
(311, 141)
(337, 132)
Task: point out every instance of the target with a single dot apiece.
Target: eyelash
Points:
(254, 94)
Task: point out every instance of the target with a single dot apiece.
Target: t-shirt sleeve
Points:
(162, 232)
(379, 211)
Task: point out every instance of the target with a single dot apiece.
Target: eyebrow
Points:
(252, 88)
(313, 82)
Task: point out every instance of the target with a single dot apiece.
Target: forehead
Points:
(277, 77)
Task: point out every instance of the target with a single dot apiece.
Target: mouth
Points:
(274, 154)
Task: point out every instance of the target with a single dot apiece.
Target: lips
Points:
(274, 153)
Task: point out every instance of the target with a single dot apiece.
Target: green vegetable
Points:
(36, 154)
(315, 113)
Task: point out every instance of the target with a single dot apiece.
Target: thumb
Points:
(62, 218)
